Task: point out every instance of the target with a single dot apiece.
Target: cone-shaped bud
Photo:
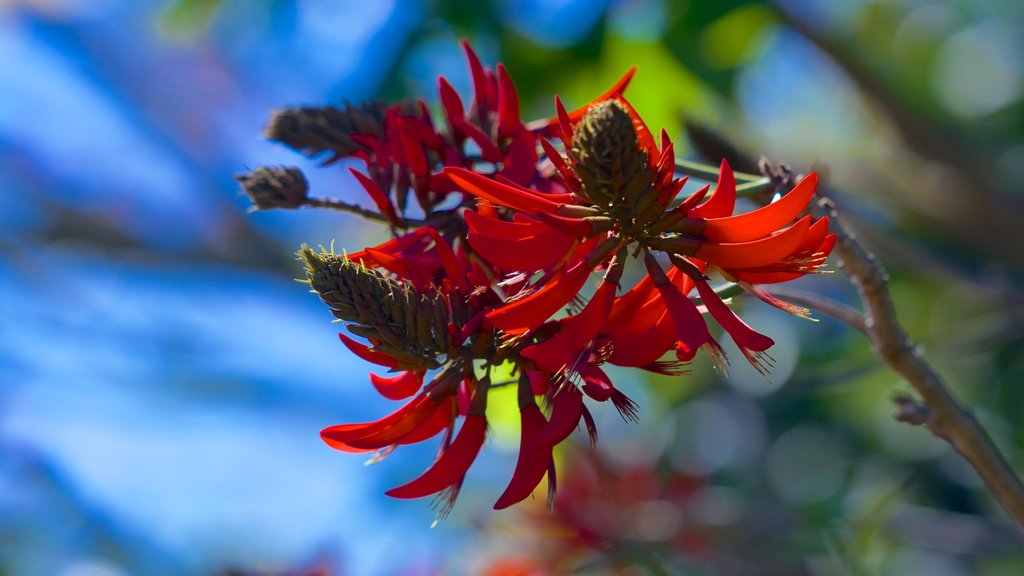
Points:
(272, 187)
(607, 157)
(314, 131)
(400, 322)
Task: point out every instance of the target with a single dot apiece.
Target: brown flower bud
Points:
(409, 326)
(314, 131)
(608, 160)
(275, 187)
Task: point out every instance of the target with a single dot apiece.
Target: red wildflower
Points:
(507, 244)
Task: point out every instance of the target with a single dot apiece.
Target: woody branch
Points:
(938, 410)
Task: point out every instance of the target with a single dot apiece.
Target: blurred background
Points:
(163, 380)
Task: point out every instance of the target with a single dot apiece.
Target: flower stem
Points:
(709, 172)
(359, 211)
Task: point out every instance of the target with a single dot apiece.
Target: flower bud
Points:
(607, 157)
(398, 320)
(275, 187)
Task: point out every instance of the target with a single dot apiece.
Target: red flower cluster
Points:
(512, 230)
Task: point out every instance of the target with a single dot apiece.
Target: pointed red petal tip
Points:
(380, 199)
(398, 387)
(744, 336)
(533, 460)
(379, 433)
(764, 220)
(363, 351)
(451, 466)
(450, 99)
(565, 123)
(508, 105)
(476, 70)
(512, 197)
(723, 200)
(757, 253)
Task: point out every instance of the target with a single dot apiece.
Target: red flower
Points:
(507, 244)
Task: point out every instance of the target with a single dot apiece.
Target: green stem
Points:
(754, 188)
(709, 172)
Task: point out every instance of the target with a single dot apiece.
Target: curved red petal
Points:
(757, 253)
(530, 312)
(723, 200)
(614, 91)
(450, 99)
(537, 252)
(576, 332)
(499, 193)
(364, 352)
(508, 105)
(743, 334)
(451, 466)
(476, 69)
(691, 331)
(764, 220)
(566, 409)
(398, 387)
(438, 421)
(339, 435)
(398, 430)
(533, 460)
(380, 199)
(497, 229)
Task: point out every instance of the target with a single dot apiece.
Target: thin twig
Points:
(359, 211)
(945, 417)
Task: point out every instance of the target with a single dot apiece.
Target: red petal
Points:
(377, 195)
(691, 330)
(692, 201)
(643, 348)
(559, 163)
(339, 436)
(450, 99)
(364, 352)
(521, 227)
(597, 384)
(764, 220)
(615, 91)
(499, 193)
(398, 387)
(451, 466)
(566, 409)
(438, 421)
(757, 253)
(538, 382)
(488, 149)
(530, 312)
(479, 78)
(508, 105)
(565, 123)
(541, 249)
(723, 200)
(744, 335)
(533, 460)
(576, 332)
(454, 268)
